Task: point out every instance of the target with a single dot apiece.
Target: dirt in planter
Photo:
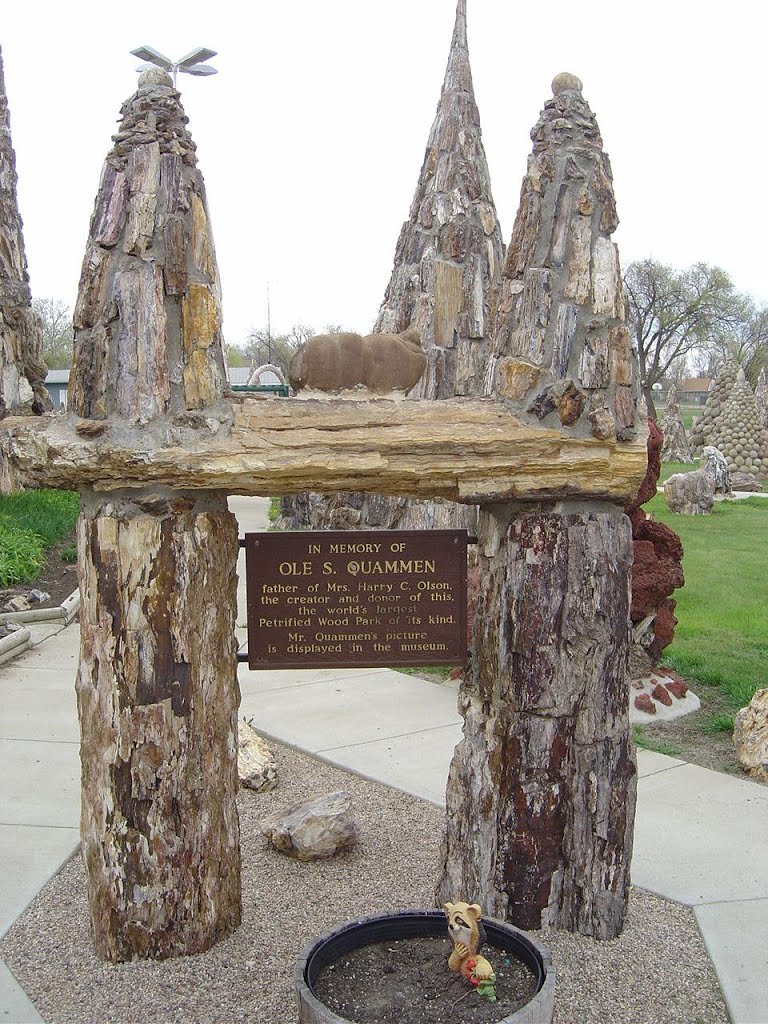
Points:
(407, 981)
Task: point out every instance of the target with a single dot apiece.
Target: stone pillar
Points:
(157, 685)
(541, 792)
(540, 797)
(158, 699)
(22, 370)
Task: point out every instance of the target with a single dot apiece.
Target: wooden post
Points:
(541, 792)
(540, 797)
(158, 700)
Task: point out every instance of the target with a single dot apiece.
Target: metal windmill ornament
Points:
(191, 64)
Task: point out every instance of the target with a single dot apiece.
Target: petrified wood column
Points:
(541, 793)
(158, 699)
(22, 370)
(157, 685)
(540, 798)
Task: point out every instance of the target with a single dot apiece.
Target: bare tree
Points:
(672, 312)
(264, 347)
(746, 342)
(56, 318)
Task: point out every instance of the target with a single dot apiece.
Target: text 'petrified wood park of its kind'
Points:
(383, 597)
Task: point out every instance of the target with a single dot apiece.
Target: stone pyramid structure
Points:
(22, 370)
(739, 432)
(561, 353)
(447, 266)
(719, 390)
(450, 252)
(148, 339)
(676, 447)
(157, 681)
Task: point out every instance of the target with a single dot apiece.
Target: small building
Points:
(57, 384)
(693, 391)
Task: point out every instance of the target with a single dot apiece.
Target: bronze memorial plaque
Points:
(356, 599)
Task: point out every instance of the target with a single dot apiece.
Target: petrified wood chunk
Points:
(541, 790)
(313, 830)
(750, 736)
(158, 696)
(256, 763)
(379, 362)
(690, 494)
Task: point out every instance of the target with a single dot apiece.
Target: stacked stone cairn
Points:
(676, 447)
(719, 390)
(739, 433)
(761, 395)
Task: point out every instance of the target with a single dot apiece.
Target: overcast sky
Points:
(312, 135)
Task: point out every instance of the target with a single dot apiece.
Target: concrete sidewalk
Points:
(700, 836)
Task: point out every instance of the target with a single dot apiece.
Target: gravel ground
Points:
(656, 973)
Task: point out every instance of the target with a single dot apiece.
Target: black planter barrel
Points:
(409, 924)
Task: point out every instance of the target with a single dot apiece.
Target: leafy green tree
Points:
(674, 312)
(235, 355)
(56, 318)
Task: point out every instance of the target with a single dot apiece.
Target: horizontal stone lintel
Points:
(472, 451)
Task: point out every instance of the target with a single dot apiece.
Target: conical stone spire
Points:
(22, 370)
(738, 431)
(450, 251)
(446, 270)
(562, 353)
(717, 397)
(675, 447)
(148, 339)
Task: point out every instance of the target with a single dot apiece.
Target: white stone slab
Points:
(417, 762)
(664, 712)
(700, 836)
(15, 1006)
(339, 711)
(736, 937)
(40, 783)
(30, 856)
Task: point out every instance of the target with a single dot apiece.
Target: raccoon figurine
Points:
(467, 936)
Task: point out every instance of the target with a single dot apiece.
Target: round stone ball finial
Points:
(155, 76)
(565, 82)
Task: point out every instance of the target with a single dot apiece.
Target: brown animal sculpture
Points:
(379, 362)
(467, 936)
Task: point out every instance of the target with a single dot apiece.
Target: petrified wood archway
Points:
(541, 796)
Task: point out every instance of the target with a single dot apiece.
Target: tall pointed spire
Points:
(148, 339)
(22, 370)
(562, 353)
(450, 251)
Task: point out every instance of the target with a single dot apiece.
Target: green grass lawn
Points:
(30, 523)
(722, 634)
